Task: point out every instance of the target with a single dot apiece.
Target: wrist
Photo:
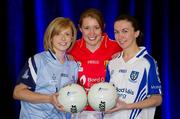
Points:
(129, 106)
(50, 99)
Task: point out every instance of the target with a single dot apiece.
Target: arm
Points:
(152, 101)
(21, 92)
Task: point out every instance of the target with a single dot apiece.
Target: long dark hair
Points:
(135, 25)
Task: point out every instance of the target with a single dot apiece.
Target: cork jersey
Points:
(92, 66)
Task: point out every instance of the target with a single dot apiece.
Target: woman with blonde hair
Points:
(45, 73)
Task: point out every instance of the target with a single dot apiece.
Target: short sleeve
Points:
(26, 75)
(154, 84)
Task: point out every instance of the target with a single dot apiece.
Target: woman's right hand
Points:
(55, 102)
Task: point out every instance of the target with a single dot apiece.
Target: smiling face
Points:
(62, 41)
(91, 31)
(125, 34)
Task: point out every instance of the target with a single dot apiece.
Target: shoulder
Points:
(78, 42)
(76, 46)
(149, 59)
(112, 44)
(73, 64)
(116, 59)
(40, 58)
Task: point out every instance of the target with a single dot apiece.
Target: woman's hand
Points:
(120, 105)
(55, 102)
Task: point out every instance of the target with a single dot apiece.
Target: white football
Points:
(102, 96)
(73, 97)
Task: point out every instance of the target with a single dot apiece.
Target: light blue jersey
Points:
(43, 73)
(135, 80)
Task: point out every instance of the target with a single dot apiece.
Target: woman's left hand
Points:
(120, 105)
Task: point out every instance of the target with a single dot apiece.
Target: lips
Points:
(63, 43)
(91, 38)
(121, 41)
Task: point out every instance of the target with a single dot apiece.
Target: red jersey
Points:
(92, 66)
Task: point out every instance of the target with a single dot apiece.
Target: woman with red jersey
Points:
(92, 52)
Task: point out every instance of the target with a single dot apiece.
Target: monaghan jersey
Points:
(135, 80)
(92, 66)
(43, 73)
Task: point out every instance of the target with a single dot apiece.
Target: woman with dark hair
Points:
(134, 73)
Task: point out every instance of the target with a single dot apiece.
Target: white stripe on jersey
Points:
(33, 73)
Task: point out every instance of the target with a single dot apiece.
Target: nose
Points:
(63, 36)
(119, 35)
(91, 32)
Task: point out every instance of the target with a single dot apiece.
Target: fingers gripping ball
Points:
(73, 97)
(102, 96)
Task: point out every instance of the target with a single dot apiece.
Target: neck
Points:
(93, 48)
(61, 56)
(130, 53)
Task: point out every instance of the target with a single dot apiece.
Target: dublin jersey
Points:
(44, 74)
(135, 80)
(92, 66)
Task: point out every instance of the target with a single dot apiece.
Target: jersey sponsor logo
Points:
(122, 92)
(94, 80)
(155, 87)
(25, 75)
(83, 79)
(134, 76)
(90, 81)
(93, 62)
(123, 71)
(64, 75)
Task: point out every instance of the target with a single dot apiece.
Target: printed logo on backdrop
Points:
(133, 76)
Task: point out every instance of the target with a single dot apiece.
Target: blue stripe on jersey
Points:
(141, 95)
(137, 111)
(51, 54)
(141, 53)
(154, 85)
(107, 79)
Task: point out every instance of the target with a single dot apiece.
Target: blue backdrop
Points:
(23, 23)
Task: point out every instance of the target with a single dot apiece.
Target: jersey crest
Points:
(134, 76)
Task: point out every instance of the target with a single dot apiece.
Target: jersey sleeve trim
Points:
(33, 69)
